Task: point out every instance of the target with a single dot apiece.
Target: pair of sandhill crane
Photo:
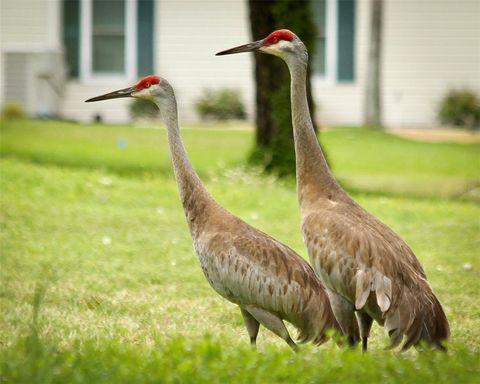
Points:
(362, 271)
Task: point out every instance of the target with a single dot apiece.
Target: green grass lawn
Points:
(99, 282)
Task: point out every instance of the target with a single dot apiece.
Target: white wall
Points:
(112, 111)
(29, 24)
(430, 46)
(188, 35)
(87, 86)
(31, 27)
(342, 103)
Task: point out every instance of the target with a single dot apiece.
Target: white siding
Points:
(188, 35)
(32, 28)
(34, 80)
(28, 24)
(342, 103)
(113, 111)
(430, 46)
(88, 85)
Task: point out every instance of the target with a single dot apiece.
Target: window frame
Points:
(329, 78)
(87, 75)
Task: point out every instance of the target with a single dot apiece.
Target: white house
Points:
(54, 54)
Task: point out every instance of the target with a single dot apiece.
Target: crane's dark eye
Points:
(147, 85)
(274, 39)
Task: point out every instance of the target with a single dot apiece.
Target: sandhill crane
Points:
(265, 278)
(368, 269)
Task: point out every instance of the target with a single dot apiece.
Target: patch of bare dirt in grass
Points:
(438, 134)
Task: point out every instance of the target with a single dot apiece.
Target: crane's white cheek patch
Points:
(274, 49)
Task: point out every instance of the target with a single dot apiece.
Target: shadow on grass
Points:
(468, 191)
(463, 191)
(133, 171)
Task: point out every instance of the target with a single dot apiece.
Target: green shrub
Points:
(460, 108)
(12, 110)
(143, 109)
(220, 104)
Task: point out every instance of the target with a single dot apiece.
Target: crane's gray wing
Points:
(250, 267)
(356, 254)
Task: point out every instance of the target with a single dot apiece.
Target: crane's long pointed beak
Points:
(126, 92)
(252, 47)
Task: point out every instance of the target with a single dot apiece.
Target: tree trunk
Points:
(373, 95)
(274, 148)
(261, 24)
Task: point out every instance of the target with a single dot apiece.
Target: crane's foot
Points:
(292, 344)
(252, 327)
(351, 341)
(364, 324)
(364, 344)
(270, 321)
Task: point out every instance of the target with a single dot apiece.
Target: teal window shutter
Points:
(145, 31)
(71, 36)
(346, 40)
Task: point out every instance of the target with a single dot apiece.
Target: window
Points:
(108, 37)
(107, 32)
(101, 39)
(334, 59)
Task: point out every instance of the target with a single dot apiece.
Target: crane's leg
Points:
(273, 323)
(364, 324)
(344, 312)
(252, 326)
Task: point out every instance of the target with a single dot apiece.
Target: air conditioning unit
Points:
(35, 80)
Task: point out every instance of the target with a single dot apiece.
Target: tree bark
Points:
(262, 23)
(373, 94)
(274, 135)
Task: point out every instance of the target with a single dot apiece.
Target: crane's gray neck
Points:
(195, 198)
(314, 179)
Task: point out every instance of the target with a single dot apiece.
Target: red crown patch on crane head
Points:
(276, 36)
(146, 82)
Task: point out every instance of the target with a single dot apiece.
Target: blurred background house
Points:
(56, 53)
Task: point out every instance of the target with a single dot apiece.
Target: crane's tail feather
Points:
(436, 329)
(419, 317)
(319, 323)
